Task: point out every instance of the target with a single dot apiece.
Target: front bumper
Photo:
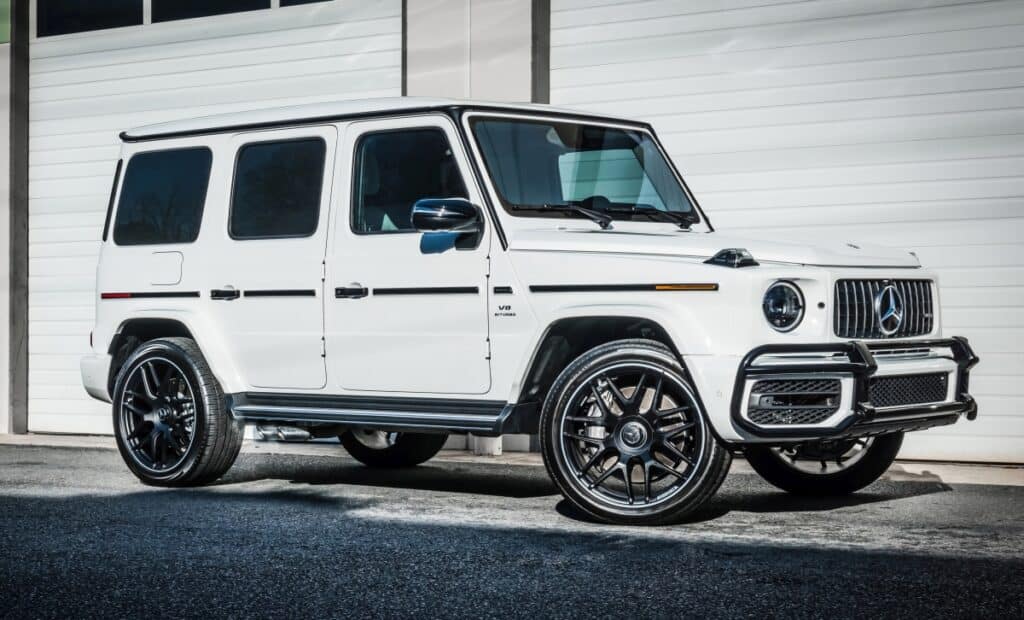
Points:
(855, 363)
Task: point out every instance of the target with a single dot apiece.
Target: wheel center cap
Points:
(633, 434)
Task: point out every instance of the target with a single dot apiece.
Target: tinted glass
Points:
(169, 10)
(395, 169)
(55, 17)
(162, 197)
(295, 2)
(536, 165)
(277, 189)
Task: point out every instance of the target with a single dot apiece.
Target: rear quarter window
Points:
(162, 197)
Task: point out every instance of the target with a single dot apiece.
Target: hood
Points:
(702, 246)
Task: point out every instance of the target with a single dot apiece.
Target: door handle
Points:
(352, 291)
(225, 294)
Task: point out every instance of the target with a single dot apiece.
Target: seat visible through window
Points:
(394, 169)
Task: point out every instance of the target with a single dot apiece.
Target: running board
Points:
(480, 417)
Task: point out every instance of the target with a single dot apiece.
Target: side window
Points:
(162, 197)
(277, 189)
(394, 169)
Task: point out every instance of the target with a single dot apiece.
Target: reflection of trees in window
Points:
(277, 189)
(162, 197)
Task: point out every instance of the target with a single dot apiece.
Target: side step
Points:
(480, 417)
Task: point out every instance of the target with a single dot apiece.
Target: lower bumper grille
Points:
(793, 401)
(908, 390)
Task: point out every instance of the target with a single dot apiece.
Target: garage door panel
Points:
(250, 29)
(268, 69)
(949, 211)
(837, 176)
(570, 49)
(878, 193)
(786, 80)
(218, 93)
(875, 131)
(928, 445)
(777, 93)
(950, 149)
(885, 122)
(850, 55)
(967, 298)
(86, 88)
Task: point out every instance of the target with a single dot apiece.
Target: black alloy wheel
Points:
(171, 421)
(626, 437)
(158, 415)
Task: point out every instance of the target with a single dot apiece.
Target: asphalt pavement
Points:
(322, 536)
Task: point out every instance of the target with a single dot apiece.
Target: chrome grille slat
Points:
(855, 317)
(930, 319)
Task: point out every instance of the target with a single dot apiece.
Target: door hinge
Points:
(323, 271)
(323, 347)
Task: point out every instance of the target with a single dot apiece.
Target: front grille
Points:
(908, 389)
(855, 315)
(793, 401)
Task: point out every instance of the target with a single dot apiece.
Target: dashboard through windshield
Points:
(553, 168)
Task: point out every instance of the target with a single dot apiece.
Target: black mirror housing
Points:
(446, 215)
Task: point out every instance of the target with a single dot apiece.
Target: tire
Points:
(607, 415)
(391, 450)
(873, 456)
(166, 398)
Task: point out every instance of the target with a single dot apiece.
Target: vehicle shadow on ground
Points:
(771, 501)
(530, 482)
(479, 479)
(228, 550)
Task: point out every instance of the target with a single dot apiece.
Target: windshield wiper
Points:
(682, 220)
(601, 219)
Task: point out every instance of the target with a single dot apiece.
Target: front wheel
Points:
(624, 436)
(383, 449)
(837, 467)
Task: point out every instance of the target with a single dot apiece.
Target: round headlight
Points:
(783, 306)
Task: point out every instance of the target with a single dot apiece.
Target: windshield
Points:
(543, 168)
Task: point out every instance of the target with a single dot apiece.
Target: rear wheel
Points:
(170, 422)
(387, 449)
(625, 438)
(836, 467)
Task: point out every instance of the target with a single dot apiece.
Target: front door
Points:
(405, 312)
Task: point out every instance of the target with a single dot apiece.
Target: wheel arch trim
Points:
(181, 324)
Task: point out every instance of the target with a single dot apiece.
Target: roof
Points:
(325, 112)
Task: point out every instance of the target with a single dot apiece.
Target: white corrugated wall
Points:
(86, 87)
(899, 122)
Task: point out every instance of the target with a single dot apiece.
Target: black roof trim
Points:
(316, 120)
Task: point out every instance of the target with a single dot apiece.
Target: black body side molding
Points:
(441, 415)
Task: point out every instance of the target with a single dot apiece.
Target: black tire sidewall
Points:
(204, 394)
(880, 455)
(699, 488)
(409, 449)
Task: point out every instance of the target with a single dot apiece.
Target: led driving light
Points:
(783, 306)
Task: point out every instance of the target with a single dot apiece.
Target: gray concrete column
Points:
(478, 49)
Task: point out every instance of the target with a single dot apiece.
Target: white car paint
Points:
(473, 347)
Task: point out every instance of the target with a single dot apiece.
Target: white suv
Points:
(394, 271)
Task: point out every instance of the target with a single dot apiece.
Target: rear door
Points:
(265, 284)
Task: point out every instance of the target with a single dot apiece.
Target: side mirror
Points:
(446, 215)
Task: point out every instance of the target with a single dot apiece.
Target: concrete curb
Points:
(919, 471)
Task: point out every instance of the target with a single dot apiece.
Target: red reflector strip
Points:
(115, 295)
